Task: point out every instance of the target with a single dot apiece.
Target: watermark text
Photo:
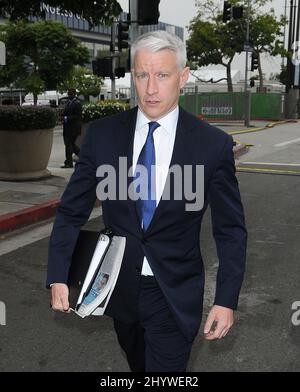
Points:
(2, 313)
(182, 183)
(296, 315)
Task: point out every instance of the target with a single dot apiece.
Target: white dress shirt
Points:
(164, 138)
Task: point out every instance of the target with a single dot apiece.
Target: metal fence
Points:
(231, 106)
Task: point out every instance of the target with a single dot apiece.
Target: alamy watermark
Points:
(296, 315)
(182, 183)
(2, 313)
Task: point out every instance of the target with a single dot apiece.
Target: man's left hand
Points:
(218, 323)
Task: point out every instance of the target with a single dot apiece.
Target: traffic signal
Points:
(237, 12)
(148, 12)
(254, 61)
(120, 72)
(95, 67)
(102, 67)
(226, 11)
(123, 35)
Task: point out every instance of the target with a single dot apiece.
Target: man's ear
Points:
(185, 73)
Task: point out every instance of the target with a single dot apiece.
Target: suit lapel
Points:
(184, 125)
(125, 135)
(125, 138)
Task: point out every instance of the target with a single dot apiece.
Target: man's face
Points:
(71, 94)
(158, 81)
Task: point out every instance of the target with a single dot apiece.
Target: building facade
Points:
(98, 38)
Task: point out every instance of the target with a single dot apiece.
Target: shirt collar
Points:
(168, 122)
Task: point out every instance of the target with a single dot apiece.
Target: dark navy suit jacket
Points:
(171, 242)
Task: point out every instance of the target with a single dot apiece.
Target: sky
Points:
(181, 12)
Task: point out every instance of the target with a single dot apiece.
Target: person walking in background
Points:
(157, 302)
(71, 126)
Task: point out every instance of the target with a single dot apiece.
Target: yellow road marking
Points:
(259, 169)
(267, 126)
(246, 131)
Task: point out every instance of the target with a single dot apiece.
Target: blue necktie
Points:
(145, 205)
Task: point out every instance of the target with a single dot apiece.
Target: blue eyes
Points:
(141, 76)
(146, 76)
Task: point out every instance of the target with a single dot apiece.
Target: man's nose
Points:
(152, 86)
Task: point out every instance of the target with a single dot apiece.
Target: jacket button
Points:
(138, 269)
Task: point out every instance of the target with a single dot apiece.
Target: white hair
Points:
(156, 41)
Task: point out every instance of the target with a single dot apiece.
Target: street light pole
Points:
(113, 60)
(134, 33)
(284, 32)
(247, 92)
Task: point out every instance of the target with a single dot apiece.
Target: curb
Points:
(272, 124)
(267, 126)
(240, 149)
(27, 216)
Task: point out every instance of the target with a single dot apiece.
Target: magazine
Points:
(100, 274)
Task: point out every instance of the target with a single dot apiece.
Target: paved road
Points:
(277, 147)
(264, 339)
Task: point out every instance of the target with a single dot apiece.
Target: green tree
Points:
(214, 42)
(40, 55)
(84, 81)
(94, 11)
(266, 35)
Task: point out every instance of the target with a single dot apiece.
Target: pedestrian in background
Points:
(71, 126)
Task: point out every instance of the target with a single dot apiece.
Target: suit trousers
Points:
(70, 136)
(154, 343)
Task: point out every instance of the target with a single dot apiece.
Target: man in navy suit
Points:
(71, 127)
(157, 302)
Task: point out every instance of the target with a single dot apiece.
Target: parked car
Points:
(62, 102)
(40, 102)
(48, 98)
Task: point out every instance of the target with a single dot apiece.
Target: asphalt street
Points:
(263, 339)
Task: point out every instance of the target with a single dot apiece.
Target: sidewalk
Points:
(24, 203)
(27, 202)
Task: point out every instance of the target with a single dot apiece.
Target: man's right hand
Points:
(60, 297)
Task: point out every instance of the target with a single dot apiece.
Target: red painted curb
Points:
(16, 220)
